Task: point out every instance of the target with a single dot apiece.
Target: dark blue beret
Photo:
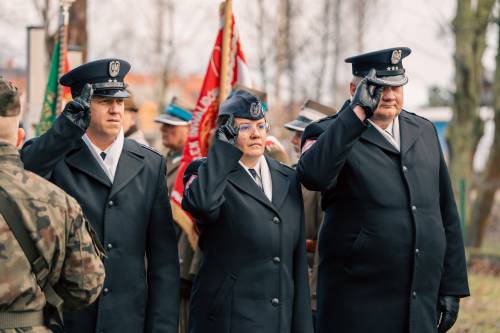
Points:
(242, 104)
(105, 75)
(388, 64)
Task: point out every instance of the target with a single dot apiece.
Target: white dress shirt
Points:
(264, 173)
(391, 133)
(113, 153)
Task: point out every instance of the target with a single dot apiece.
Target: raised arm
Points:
(40, 155)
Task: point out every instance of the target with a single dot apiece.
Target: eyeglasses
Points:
(247, 128)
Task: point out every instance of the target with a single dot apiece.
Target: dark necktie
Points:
(256, 177)
(103, 156)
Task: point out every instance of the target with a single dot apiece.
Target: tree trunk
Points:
(360, 9)
(77, 28)
(466, 128)
(281, 37)
(490, 179)
(164, 47)
(291, 55)
(261, 35)
(337, 46)
(324, 47)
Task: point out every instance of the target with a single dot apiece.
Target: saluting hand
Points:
(227, 132)
(78, 110)
(448, 312)
(368, 94)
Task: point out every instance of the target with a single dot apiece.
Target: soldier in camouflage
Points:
(59, 229)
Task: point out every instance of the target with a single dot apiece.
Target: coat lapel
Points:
(373, 136)
(130, 164)
(241, 179)
(409, 131)
(83, 160)
(280, 182)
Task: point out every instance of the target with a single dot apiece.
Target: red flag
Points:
(66, 91)
(204, 116)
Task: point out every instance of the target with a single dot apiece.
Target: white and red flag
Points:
(205, 114)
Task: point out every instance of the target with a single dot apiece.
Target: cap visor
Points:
(296, 125)
(115, 93)
(391, 81)
(170, 120)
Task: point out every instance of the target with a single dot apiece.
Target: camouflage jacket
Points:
(62, 236)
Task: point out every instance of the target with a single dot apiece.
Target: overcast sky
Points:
(421, 25)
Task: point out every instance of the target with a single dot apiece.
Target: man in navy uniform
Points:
(391, 250)
(121, 187)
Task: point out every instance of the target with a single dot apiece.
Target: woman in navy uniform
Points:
(249, 212)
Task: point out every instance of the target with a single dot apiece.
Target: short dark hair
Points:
(10, 105)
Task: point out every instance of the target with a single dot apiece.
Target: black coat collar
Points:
(409, 129)
(130, 163)
(409, 133)
(279, 178)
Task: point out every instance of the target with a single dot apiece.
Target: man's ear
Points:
(21, 134)
(352, 88)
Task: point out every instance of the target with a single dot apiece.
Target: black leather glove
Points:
(227, 132)
(447, 312)
(78, 110)
(367, 94)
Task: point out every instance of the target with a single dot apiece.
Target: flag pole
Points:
(226, 47)
(63, 45)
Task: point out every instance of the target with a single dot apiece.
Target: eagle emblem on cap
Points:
(255, 109)
(114, 68)
(396, 57)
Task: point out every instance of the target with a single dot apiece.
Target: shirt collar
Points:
(391, 133)
(256, 167)
(262, 169)
(113, 152)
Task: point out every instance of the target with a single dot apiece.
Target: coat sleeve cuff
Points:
(351, 121)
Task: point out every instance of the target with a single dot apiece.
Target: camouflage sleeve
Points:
(82, 274)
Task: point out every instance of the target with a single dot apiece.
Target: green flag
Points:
(49, 108)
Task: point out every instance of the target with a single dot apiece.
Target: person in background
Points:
(310, 112)
(175, 122)
(130, 121)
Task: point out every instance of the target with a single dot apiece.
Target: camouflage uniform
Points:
(62, 236)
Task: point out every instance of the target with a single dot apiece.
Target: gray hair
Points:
(356, 80)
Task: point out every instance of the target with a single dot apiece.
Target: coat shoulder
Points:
(31, 187)
(417, 118)
(316, 128)
(286, 168)
(319, 126)
(192, 168)
(150, 154)
(149, 149)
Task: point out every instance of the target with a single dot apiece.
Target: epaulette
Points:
(151, 149)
